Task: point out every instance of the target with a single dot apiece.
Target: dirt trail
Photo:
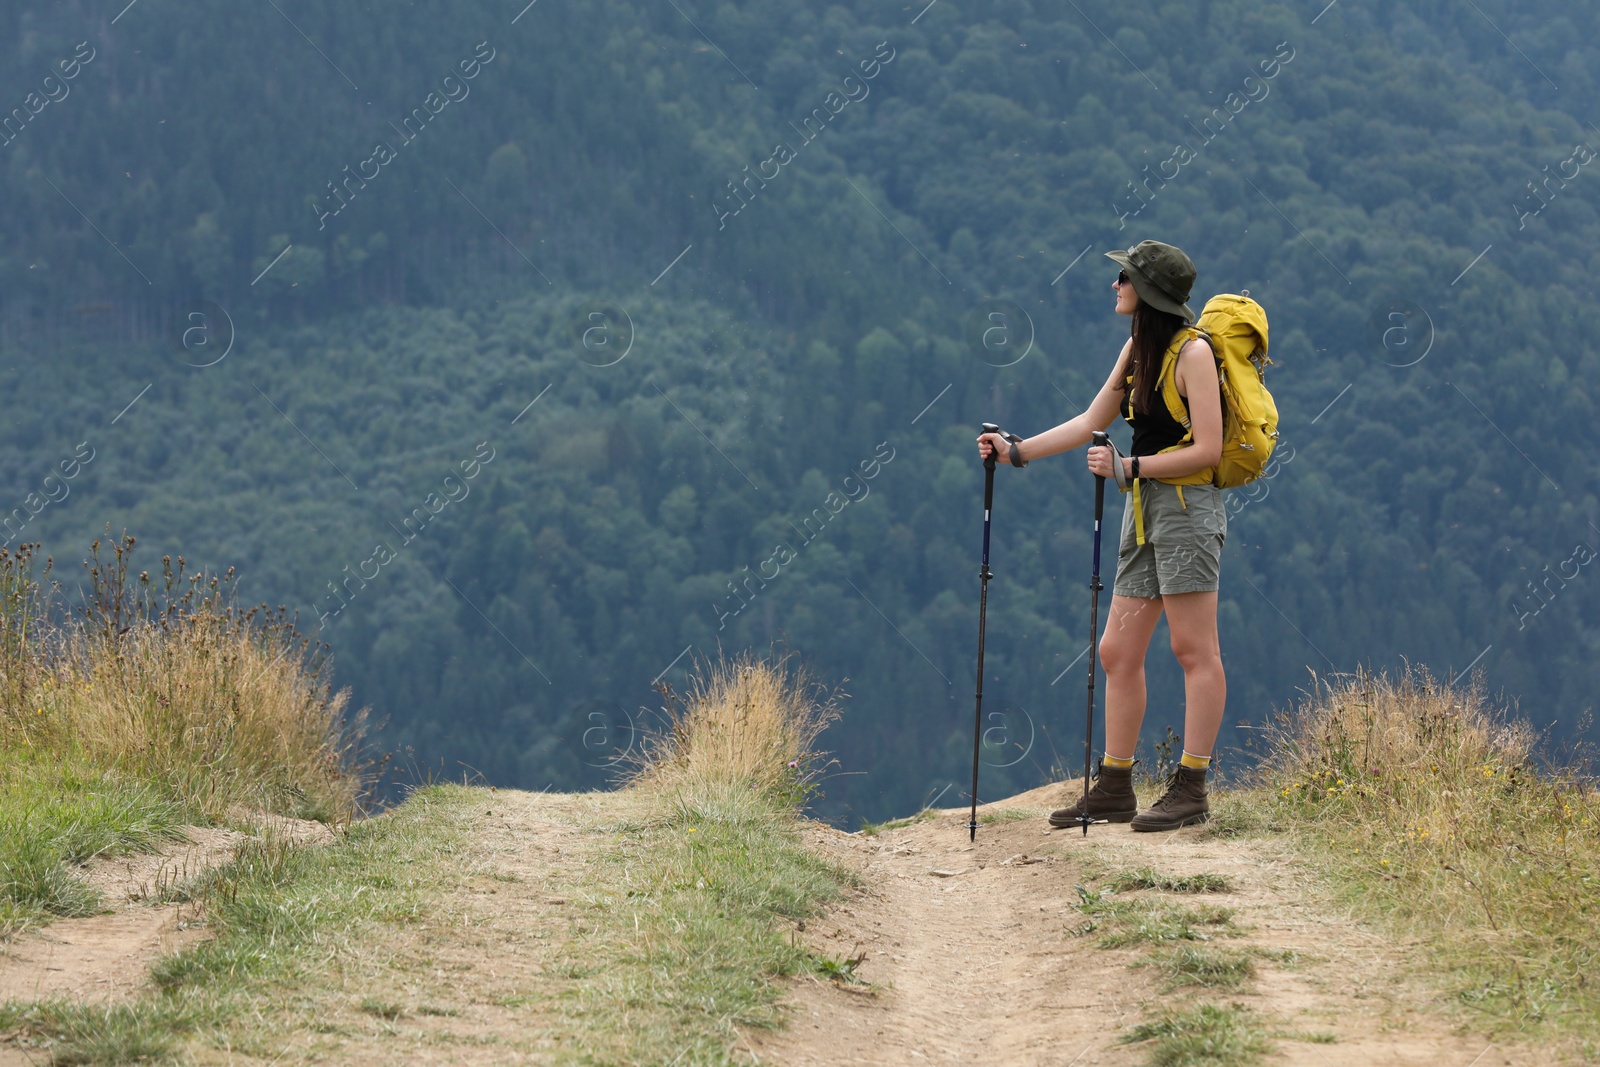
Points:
(973, 948)
(973, 953)
(107, 957)
(477, 977)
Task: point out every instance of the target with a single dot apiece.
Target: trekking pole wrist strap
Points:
(1117, 469)
(1016, 453)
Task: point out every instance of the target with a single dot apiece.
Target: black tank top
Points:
(1154, 430)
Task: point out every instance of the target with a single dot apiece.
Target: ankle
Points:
(1118, 762)
(1193, 762)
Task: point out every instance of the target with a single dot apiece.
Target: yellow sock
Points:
(1117, 761)
(1198, 763)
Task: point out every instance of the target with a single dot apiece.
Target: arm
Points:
(1197, 382)
(1074, 433)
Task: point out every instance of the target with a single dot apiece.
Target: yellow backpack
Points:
(1236, 327)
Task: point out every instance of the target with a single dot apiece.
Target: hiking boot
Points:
(1183, 804)
(1111, 799)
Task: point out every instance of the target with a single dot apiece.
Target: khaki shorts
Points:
(1182, 552)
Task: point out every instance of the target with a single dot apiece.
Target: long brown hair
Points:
(1153, 331)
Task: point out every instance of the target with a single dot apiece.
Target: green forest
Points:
(534, 353)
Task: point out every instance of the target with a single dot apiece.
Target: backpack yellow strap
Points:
(1138, 513)
(1180, 410)
(1169, 380)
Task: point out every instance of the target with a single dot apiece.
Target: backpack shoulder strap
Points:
(1169, 376)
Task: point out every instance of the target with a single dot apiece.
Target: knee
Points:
(1196, 655)
(1119, 655)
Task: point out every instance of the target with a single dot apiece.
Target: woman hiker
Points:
(1173, 566)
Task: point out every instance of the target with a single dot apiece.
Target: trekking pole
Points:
(1099, 438)
(983, 607)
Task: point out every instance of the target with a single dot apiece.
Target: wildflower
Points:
(794, 763)
(691, 829)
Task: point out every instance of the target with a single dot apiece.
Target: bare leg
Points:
(1122, 648)
(1192, 618)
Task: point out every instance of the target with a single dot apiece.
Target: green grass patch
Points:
(989, 818)
(1207, 966)
(872, 829)
(55, 813)
(689, 933)
(696, 902)
(1206, 1036)
(275, 900)
(276, 910)
(383, 1009)
(1122, 921)
(1147, 878)
(1238, 812)
(839, 970)
(69, 1032)
(1310, 1037)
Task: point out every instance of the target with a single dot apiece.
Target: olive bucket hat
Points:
(1161, 274)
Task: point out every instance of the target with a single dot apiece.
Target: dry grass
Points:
(746, 723)
(169, 684)
(154, 703)
(211, 711)
(1432, 809)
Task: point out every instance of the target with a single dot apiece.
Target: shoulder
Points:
(1196, 347)
(1196, 363)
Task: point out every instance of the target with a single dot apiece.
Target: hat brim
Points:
(1148, 291)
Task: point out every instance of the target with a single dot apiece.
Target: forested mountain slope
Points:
(738, 257)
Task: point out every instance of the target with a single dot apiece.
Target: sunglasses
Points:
(1122, 278)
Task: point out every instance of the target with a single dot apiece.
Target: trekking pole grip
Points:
(1100, 439)
(988, 463)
